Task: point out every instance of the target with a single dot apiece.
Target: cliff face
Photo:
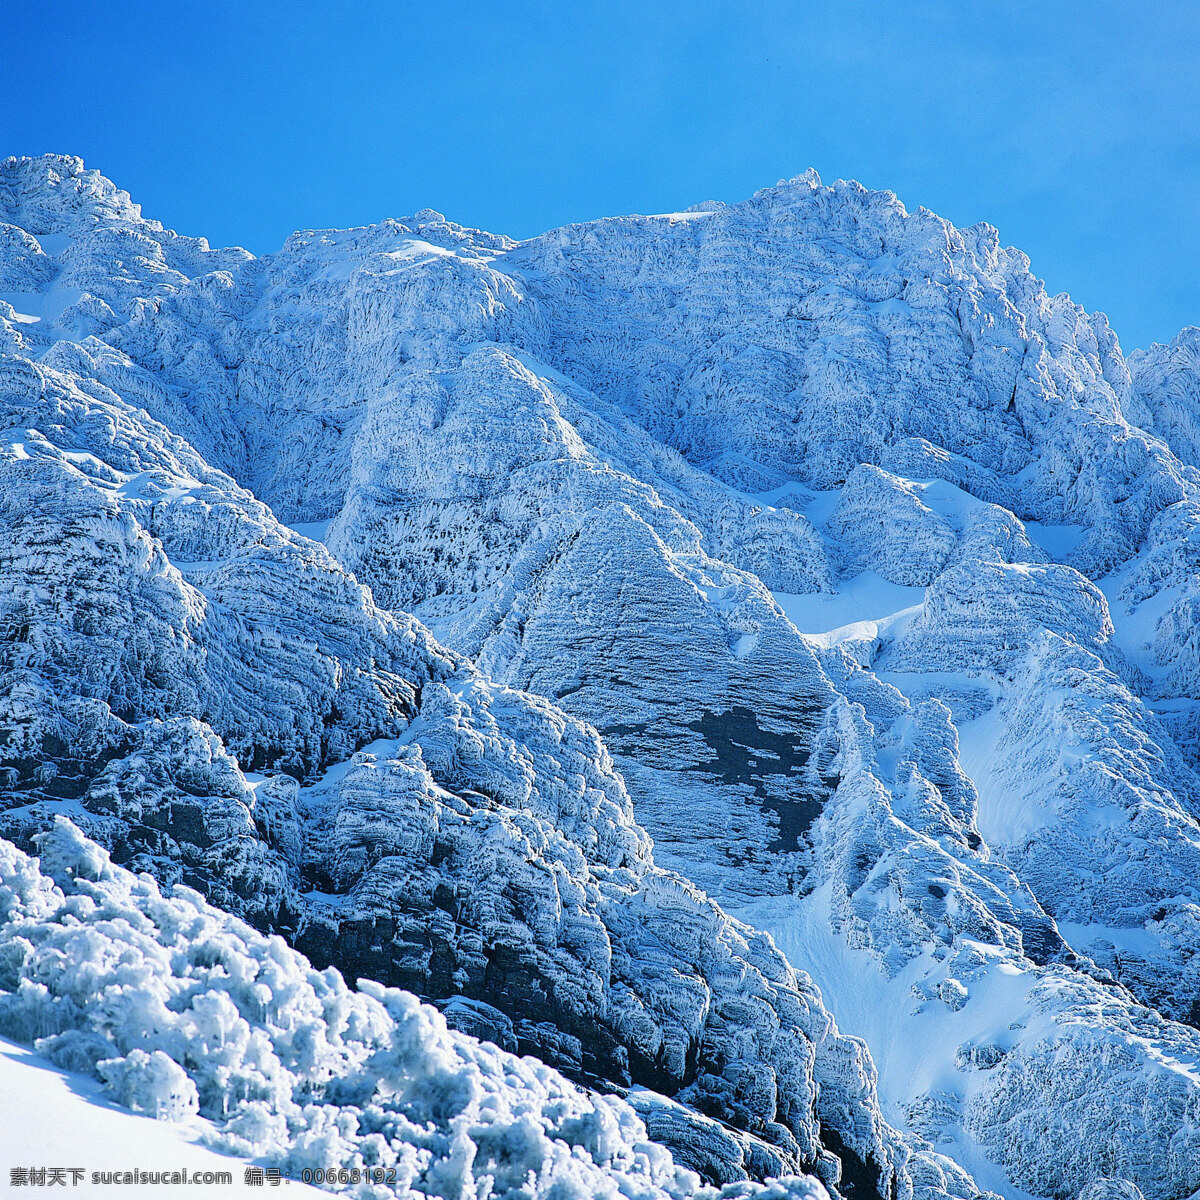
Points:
(396, 589)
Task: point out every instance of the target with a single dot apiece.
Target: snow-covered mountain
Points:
(744, 658)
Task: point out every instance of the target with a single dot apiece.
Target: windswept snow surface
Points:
(67, 1121)
(490, 619)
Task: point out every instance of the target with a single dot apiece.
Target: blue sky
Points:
(1073, 127)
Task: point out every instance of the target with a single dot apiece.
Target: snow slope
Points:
(66, 1121)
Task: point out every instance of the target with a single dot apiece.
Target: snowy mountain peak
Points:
(42, 194)
(744, 658)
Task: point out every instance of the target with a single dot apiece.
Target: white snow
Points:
(1057, 540)
(865, 597)
(56, 1118)
(316, 530)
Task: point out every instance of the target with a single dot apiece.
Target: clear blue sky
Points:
(1073, 127)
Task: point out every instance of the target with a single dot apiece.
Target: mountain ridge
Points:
(622, 466)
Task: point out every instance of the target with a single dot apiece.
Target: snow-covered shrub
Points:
(176, 1005)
